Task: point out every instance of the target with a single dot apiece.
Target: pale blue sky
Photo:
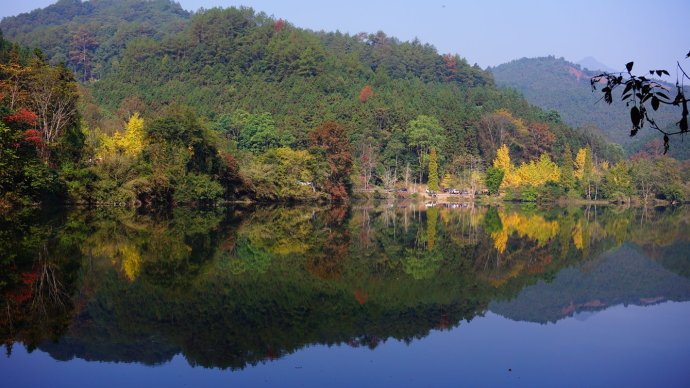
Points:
(491, 32)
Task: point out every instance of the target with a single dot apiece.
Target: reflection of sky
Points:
(621, 346)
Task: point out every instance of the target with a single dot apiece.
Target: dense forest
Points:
(157, 106)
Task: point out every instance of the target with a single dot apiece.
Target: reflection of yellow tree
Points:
(122, 252)
(534, 227)
(131, 261)
(577, 235)
(582, 233)
(567, 225)
(136, 244)
(515, 271)
(280, 231)
(500, 238)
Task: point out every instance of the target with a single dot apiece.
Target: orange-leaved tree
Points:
(331, 139)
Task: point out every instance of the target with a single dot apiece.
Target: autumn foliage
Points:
(34, 138)
(451, 62)
(22, 117)
(331, 139)
(279, 25)
(366, 93)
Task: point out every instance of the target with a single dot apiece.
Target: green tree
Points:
(646, 178)
(618, 184)
(433, 170)
(423, 133)
(259, 134)
(567, 173)
(493, 179)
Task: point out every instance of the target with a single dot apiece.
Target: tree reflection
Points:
(240, 286)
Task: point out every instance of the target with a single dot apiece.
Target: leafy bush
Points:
(529, 194)
(197, 188)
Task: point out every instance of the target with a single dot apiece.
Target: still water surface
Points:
(387, 296)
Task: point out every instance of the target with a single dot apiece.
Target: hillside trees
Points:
(52, 95)
(424, 133)
(264, 85)
(40, 127)
(82, 45)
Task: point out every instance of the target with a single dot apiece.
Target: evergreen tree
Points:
(567, 173)
(433, 170)
(493, 179)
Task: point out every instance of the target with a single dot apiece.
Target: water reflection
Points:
(234, 287)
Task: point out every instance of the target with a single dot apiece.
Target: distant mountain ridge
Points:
(556, 84)
(592, 64)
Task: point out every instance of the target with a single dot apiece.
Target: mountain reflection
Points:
(234, 287)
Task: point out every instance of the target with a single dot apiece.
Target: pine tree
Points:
(433, 170)
(567, 173)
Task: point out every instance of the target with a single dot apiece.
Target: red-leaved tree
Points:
(451, 62)
(366, 93)
(331, 139)
(23, 117)
(279, 25)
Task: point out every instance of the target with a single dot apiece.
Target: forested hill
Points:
(68, 29)
(254, 88)
(143, 55)
(555, 83)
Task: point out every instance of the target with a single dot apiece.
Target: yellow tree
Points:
(447, 181)
(547, 170)
(538, 173)
(133, 140)
(584, 169)
(502, 162)
(130, 144)
(580, 163)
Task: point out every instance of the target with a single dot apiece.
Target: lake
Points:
(387, 295)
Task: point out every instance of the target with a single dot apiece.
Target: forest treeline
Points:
(159, 106)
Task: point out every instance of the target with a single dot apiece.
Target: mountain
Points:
(260, 106)
(67, 29)
(555, 84)
(590, 63)
(136, 55)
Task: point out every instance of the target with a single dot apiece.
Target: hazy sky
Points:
(491, 32)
